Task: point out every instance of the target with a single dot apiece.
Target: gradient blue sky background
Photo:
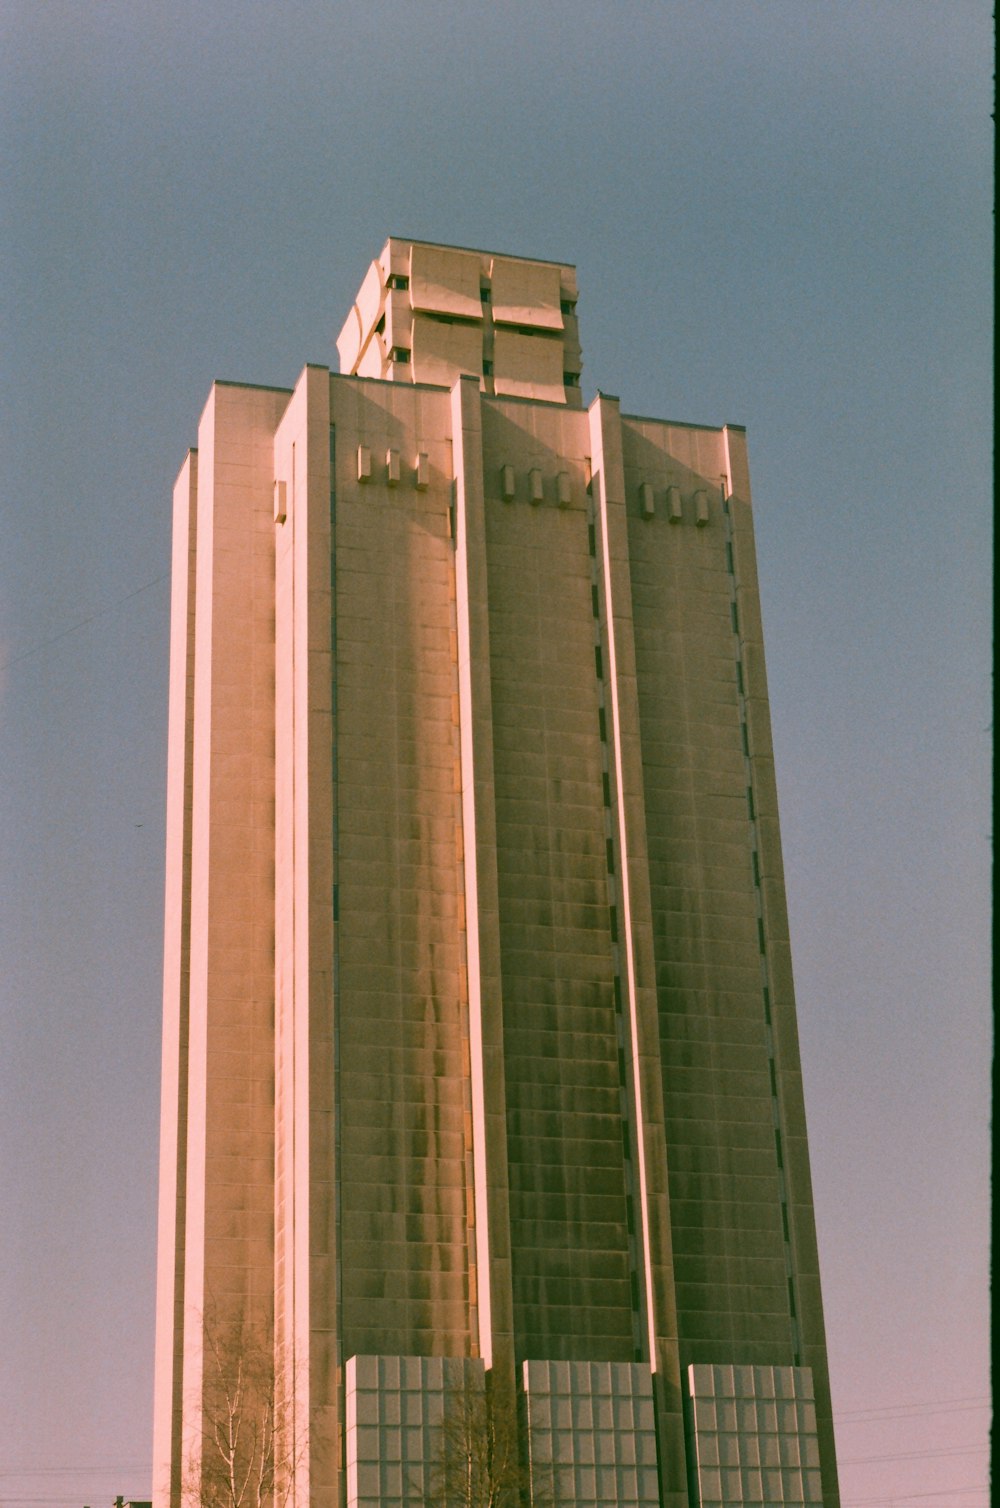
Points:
(780, 211)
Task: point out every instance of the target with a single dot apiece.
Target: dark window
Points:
(398, 280)
(400, 354)
(485, 296)
(567, 306)
(571, 379)
(487, 369)
(380, 327)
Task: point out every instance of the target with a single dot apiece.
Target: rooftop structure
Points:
(431, 313)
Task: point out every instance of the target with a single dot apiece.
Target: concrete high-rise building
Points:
(480, 1055)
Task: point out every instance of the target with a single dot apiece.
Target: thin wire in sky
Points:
(73, 628)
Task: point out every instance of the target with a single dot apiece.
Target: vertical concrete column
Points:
(229, 1206)
(169, 1368)
(492, 1214)
(638, 967)
(305, 1285)
(804, 1281)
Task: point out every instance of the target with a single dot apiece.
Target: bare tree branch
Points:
(479, 1464)
(242, 1459)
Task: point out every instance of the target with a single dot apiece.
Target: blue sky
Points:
(781, 217)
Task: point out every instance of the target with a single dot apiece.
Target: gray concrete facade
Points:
(479, 1026)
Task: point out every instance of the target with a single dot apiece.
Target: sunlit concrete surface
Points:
(479, 1027)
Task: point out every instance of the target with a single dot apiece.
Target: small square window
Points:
(571, 379)
(487, 369)
(400, 354)
(397, 280)
(485, 296)
(567, 306)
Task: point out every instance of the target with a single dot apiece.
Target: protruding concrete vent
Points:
(701, 508)
(507, 483)
(423, 471)
(564, 489)
(646, 499)
(535, 490)
(392, 467)
(280, 502)
(674, 504)
(364, 464)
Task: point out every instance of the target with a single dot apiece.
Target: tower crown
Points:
(428, 313)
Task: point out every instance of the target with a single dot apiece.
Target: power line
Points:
(913, 1410)
(919, 1455)
(102, 612)
(906, 1497)
(94, 1471)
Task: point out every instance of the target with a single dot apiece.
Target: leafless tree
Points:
(248, 1453)
(478, 1464)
